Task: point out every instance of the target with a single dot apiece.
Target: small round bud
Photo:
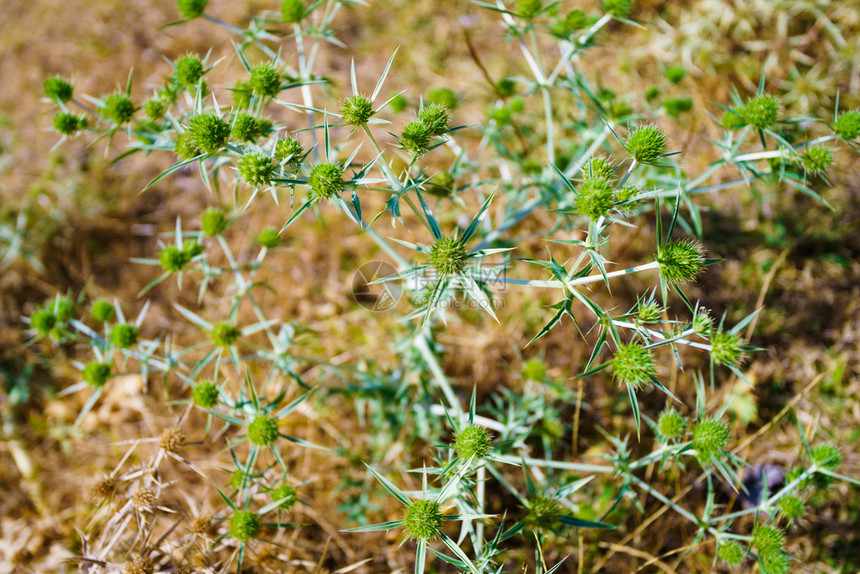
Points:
(506, 87)
(155, 107)
(652, 93)
(443, 97)
(543, 512)
(326, 181)
(791, 507)
(189, 70)
(124, 335)
(268, 238)
(225, 334)
(245, 526)
(398, 103)
(173, 259)
(528, 9)
(140, 565)
(680, 261)
(768, 540)
(727, 348)
(263, 431)
(435, 118)
(731, 552)
(827, 457)
(675, 73)
(817, 159)
(171, 440)
(213, 222)
(650, 312)
(415, 138)
(710, 437)
(761, 111)
(208, 132)
(96, 374)
(595, 198)
(572, 21)
(289, 150)
(118, 108)
(43, 320)
(646, 143)
(64, 309)
(356, 110)
(265, 80)
(847, 125)
(734, 118)
(191, 9)
(671, 424)
(69, 124)
(618, 8)
(58, 89)
(448, 256)
(633, 365)
(293, 11)
(472, 441)
(286, 494)
(423, 520)
(205, 394)
(676, 106)
(102, 311)
(256, 169)
(500, 114)
(625, 198)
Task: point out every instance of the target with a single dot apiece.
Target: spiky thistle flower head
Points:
(155, 107)
(102, 311)
(208, 132)
(595, 198)
(826, 456)
(205, 394)
(731, 552)
(761, 111)
(265, 80)
(96, 373)
(415, 138)
(326, 181)
(189, 70)
(768, 540)
(817, 159)
(191, 9)
(247, 128)
(435, 118)
(124, 335)
(263, 431)
(727, 348)
(649, 312)
(224, 334)
(646, 143)
(633, 365)
(680, 260)
(117, 107)
(69, 124)
(58, 89)
(448, 256)
(710, 437)
(245, 526)
(543, 512)
(289, 150)
(213, 221)
(671, 424)
(474, 440)
(173, 259)
(356, 110)
(268, 238)
(256, 169)
(293, 11)
(618, 8)
(528, 9)
(847, 125)
(791, 507)
(171, 439)
(423, 520)
(286, 494)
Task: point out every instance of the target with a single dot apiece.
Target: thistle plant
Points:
(563, 161)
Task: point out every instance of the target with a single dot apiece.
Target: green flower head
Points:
(761, 111)
(205, 394)
(423, 520)
(646, 143)
(245, 526)
(448, 256)
(189, 70)
(817, 159)
(118, 108)
(791, 507)
(326, 181)
(213, 222)
(289, 150)
(263, 431)
(675, 73)
(676, 106)
(443, 97)
(847, 125)
(265, 80)
(58, 89)
(435, 118)
(671, 424)
(595, 198)
(633, 365)
(680, 260)
(731, 552)
(69, 124)
(650, 312)
(225, 334)
(727, 348)
(124, 335)
(528, 9)
(293, 11)
(191, 9)
(173, 259)
(43, 320)
(287, 494)
(767, 540)
(96, 374)
(415, 138)
(208, 132)
(710, 437)
(600, 166)
(543, 512)
(155, 107)
(256, 169)
(356, 110)
(734, 118)
(268, 238)
(474, 441)
(247, 128)
(102, 311)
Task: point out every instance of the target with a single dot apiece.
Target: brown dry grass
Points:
(810, 327)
